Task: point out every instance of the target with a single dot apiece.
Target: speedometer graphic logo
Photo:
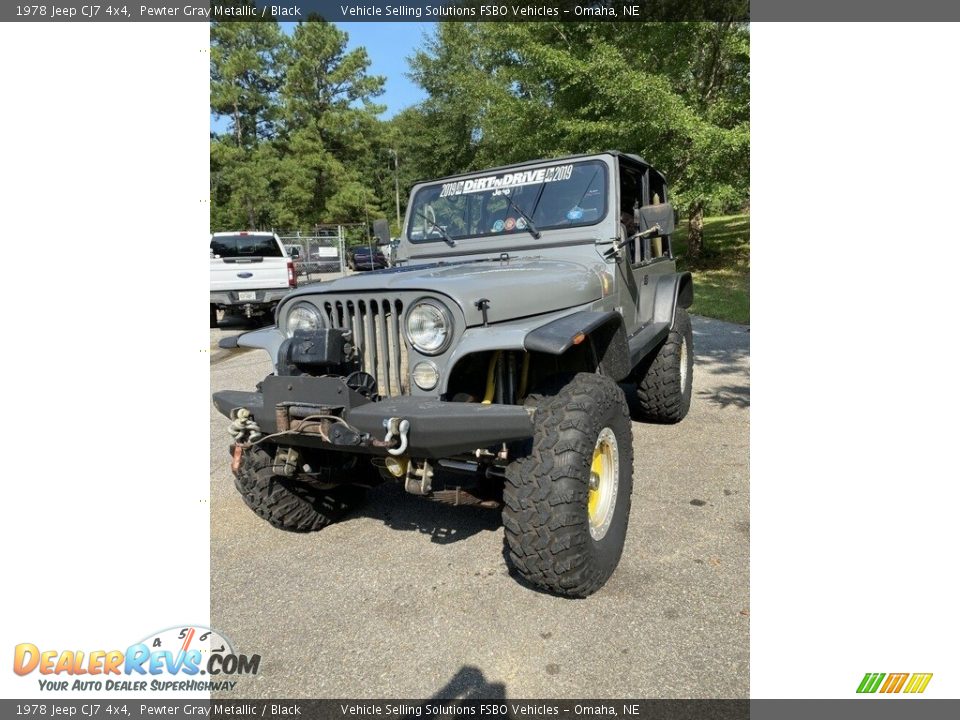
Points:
(184, 641)
(193, 650)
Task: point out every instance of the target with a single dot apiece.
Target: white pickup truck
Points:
(249, 273)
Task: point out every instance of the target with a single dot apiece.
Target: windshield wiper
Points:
(434, 226)
(530, 227)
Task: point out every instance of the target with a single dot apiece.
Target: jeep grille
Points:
(375, 324)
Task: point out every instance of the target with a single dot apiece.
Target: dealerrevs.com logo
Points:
(182, 658)
(910, 683)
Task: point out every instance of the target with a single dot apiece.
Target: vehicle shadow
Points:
(444, 524)
(467, 684)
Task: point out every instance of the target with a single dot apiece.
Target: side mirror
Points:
(381, 228)
(661, 215)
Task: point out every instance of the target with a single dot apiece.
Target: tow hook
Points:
(397, 427)
(244, 430)
(243, 427)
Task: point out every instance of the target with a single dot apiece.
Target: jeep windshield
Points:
(564, 195)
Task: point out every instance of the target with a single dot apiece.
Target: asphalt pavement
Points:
(407, 598)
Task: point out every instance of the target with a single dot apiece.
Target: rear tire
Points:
(560, 535)
(289, 504)
(665, 380)
(213, 318)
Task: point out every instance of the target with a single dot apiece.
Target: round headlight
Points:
(429, 327)
(303, 317)
(426, 375)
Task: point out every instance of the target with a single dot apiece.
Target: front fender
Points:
(268, 339)
(555, 338)
(603, 329)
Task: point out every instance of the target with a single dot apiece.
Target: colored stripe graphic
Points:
(894, 682)
(870, 682)
(918, 683)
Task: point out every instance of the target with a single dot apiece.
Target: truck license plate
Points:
(250, 295)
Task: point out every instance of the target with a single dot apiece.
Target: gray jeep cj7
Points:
(485, 368)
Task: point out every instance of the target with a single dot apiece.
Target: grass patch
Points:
(721, 277)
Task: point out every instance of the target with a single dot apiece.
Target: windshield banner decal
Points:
(514, 179)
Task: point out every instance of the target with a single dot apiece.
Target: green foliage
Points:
(323, 80)
(303, 142)
(246, 71)
(241, 179)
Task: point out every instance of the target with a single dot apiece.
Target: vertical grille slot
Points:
(382, 348)
(370, 345)
(325, 311)
(400, 348)
(356, 320)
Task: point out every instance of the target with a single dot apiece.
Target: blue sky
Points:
(388, 46)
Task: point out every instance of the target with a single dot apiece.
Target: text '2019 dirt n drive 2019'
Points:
(484, 368)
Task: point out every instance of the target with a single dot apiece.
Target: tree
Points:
(709, 66)
(331, 127)
(246, 70)
(303, 135)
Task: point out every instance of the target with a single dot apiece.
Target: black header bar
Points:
(375, 10)
(476, 10)
(112, 708)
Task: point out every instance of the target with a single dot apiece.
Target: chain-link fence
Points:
(324, 249)
(317, 251)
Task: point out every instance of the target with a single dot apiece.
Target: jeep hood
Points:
(515, 288)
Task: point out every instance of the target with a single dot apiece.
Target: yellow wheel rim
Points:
(603, 484)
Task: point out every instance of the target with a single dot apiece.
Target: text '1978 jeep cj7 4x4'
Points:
(484, 369)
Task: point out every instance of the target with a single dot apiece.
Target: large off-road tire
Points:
(566, 505)
(665, 379)
(289, 504)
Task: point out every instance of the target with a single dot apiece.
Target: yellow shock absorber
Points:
(524, 373)
(491, 381)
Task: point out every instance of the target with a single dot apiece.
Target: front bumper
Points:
(438, 429)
